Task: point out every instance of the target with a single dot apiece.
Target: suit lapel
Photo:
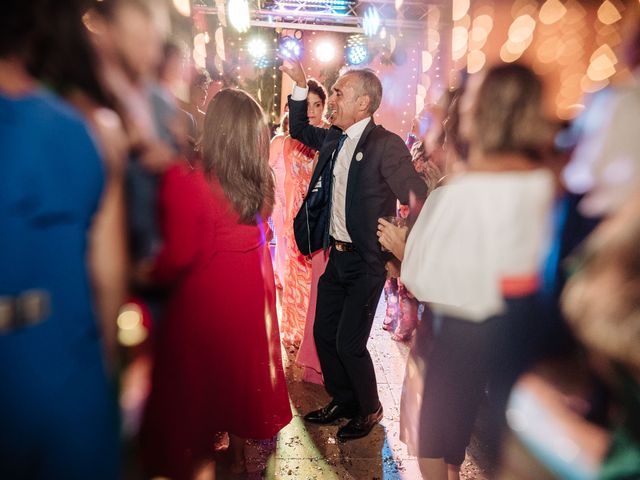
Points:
(324, 157)
(357, 161)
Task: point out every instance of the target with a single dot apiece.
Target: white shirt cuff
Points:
(298, 93)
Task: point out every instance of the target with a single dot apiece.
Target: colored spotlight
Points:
(325, 51)
(371, 22)
(357, 54)
(262, 62)
(291, 48)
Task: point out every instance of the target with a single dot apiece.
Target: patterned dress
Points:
(402, 313)
(299, 163)
(276, 161)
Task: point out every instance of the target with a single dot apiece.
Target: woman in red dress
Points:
(217, 362)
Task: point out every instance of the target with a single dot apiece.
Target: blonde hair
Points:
(236, 152)
(507, 115)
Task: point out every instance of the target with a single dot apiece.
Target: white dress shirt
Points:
(338, 226)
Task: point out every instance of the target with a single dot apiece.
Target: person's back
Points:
(217, 365)
(52, 179)
(51, 364)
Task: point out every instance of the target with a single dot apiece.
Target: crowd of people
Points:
(492, 251)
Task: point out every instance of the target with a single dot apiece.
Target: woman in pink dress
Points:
(276, 162)
(300, 161)
(307, 356)
(217, 363)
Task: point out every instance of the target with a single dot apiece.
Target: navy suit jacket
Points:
(380, 173)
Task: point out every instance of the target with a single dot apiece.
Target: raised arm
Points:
(299, 127)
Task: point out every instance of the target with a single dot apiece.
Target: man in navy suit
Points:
(369, 168)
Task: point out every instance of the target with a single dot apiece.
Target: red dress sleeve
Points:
(181, 212)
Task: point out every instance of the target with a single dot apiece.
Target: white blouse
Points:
(474, 232)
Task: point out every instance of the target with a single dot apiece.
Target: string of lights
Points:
(574, 50)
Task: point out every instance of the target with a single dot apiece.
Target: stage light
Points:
(257, 47)
(322, 7)
(239, 15)
(262, 62)
(290, 48)
(357, 54)
(371, 22)
(325, 51)
(357, 51)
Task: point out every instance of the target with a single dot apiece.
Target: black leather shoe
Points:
(331, 413)
(360, 426)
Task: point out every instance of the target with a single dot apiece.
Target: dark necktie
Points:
(334, 158)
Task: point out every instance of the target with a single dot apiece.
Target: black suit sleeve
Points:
(299, 126)
(397, 170)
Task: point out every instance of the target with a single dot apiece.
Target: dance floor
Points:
(313, 452)
(310, 452)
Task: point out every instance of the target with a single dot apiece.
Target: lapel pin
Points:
(359, 156)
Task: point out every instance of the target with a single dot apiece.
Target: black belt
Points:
(24, 309)
(343, 246)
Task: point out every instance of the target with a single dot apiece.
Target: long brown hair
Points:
(236, 152)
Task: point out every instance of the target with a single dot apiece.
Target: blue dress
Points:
(58, 415)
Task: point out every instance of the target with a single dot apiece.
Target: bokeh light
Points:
(238, 12)
(131, 330)
(475, 61)
(371, 21)
(459, 9)
(257, 47)
(608, 13)
(325, 51)
(552, 11)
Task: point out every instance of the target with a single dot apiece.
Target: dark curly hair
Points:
(317, 88)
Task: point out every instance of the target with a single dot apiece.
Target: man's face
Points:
(344, 105)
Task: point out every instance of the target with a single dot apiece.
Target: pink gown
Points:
(299, 163)
(307, 355)
(276, 161)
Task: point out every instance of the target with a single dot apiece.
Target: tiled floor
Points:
(312, 452)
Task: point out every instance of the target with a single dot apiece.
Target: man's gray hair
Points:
(370, 86)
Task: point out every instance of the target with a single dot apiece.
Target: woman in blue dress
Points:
(57, 405)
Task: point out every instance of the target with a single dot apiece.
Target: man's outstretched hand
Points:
(294, 69)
